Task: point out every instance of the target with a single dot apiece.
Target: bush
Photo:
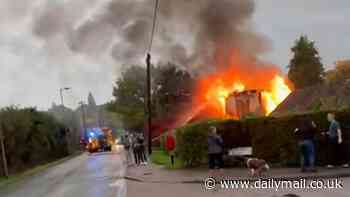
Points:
(272, 139)
(31, 138)
(192, 144)
(192, 139)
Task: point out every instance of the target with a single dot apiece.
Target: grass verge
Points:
(160, 157)
(20, 176)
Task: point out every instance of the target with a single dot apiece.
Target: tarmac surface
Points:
(154, 180)
(99, 174)
(106, 175)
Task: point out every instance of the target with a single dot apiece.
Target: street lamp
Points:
(61, 93)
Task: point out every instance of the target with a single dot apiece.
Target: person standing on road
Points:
(334, 142)
(128, 146)
(170, 147)
(135, 149)
(215, 151)
(305, 134)
(141, 141)
(140, 154)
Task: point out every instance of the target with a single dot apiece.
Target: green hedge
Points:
(31, 138)
(192, 139)
(271, 138)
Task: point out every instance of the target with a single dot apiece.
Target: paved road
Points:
(136, 189)
(100, 175)
(83, 176)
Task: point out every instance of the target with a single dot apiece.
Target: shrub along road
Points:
(271, 138)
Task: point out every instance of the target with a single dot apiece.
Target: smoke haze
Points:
(49, 44)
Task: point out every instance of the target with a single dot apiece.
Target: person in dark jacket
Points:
(335, 151)
(141, 150)
(305, 134)
(215, 151)
(136, 147)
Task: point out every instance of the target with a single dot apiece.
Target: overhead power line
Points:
(154, 23)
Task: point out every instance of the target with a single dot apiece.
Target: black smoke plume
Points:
(192, 33)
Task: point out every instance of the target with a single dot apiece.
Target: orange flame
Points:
(278, 93)
(219, 92)
(239, 76)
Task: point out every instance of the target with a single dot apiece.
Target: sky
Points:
(323, 21)
(33, 69)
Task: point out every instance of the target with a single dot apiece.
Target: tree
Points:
(31, 137)
(340, 74)
(70, 119)
(172, 85)
(305, 68)
(129, 94)
(169, 86)
(91, 100)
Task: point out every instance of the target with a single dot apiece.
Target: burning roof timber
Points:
(242, 104)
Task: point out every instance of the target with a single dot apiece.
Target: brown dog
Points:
(257, 166)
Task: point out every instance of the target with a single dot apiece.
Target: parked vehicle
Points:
(100, 140)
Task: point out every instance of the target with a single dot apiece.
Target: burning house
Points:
(242, 104)
(235, 94)
(222, 51)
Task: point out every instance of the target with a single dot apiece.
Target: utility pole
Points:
(148, 62)
(61, 94)
(149, 110)
(101, 118)
(3, 152)
(83, 117)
